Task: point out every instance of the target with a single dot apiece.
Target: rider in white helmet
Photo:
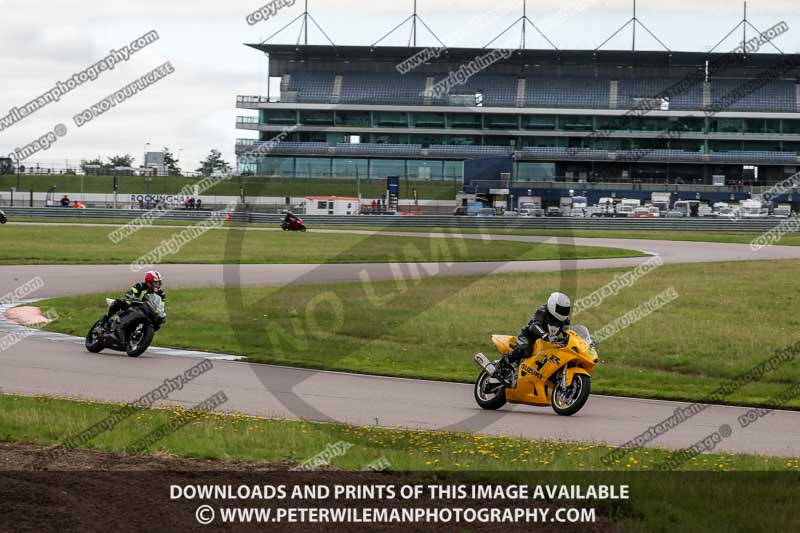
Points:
(547, 323)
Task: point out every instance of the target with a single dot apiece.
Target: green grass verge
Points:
(247, 439)
(426, 190)
(23, 244)
(732, 237)
(691, 235)
(429, 328)
(710, 493)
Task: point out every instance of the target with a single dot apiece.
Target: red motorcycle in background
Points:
(293, 223)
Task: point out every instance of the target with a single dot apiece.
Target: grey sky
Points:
(194, 108)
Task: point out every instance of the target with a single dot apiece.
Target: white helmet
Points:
(559, 305)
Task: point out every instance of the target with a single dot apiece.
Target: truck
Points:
(752, 209)
(580, 206)
(627, 207)
(661, 200)
(686, 208)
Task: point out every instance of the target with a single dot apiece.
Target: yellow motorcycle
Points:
(558, 374)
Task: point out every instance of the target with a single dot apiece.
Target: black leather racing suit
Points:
(135, 293)
(542, 325)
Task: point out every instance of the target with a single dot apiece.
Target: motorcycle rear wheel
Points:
(93, 343)
(570, 401)
(487, 395)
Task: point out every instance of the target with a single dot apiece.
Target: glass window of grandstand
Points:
(427, 120)
(687, 145)
(389, 139)
(535, 172)
(727, 125)
(540, 122)
(350, 168)
(493, 140)
(454, 170)
(610, 143)
(791, 147)
(276, 167)
(549, 142)
(426, 170)
(697, 124)
(316, 118)
(279, 117)
(464, 121)
(725, 146)
(647, 123)
(359, 119)
(761, 146)
(389, 119)
(772, 126)
(427, 140)
(382, 168)
(313, 137)
(463, 140)
(313, 167)
(501, 122)
(576, 123)
(791, 126)
(613, 123)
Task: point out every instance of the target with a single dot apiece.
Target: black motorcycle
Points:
(3, 218)
(130, 331)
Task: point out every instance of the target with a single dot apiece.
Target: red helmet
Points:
(152, 280)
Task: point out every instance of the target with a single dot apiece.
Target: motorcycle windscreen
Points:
(581, 331)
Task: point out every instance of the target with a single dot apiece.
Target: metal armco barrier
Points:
(449, 222)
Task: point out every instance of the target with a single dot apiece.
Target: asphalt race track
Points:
(58, 365)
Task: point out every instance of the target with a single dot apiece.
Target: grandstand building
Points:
(577, 116)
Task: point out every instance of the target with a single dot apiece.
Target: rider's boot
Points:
(505, 370)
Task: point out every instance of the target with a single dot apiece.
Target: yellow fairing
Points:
(503, 343)
(538, 373)
(571, 372)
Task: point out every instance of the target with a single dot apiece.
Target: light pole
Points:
(146, 149)
(178, 161)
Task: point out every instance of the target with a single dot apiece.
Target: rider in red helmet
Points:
(151, 285)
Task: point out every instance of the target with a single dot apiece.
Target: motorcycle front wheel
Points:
(139, 339)
(303, 229)
(570, 400)
(490, 396)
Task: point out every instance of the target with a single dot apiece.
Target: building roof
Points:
(329, 198)
(281, 54)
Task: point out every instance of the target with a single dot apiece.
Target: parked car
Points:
(642, 212)
(553, 212)
(487, 212)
